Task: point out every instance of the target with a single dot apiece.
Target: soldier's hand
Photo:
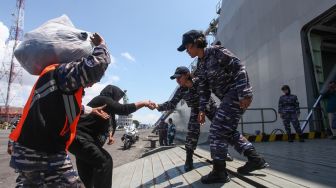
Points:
(152, 105)
(96, 39)
(201, 118)
(110, 140)
(245, 103)
(100, 112)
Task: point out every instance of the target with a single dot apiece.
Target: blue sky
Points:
(142, 37)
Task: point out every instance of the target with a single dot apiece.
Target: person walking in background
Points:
(222, 73)
(171, 131)
(289, 110)
(331, 107)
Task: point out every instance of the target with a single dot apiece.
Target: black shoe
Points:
(188, 166)
(228, 157)
(255, 162)
(252, 166)
(290, 140)
(217, 175)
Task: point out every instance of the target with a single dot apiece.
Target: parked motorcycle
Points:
(130, 137)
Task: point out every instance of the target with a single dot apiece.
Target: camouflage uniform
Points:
(163, 130)
(43, 170)
(40, 168)
(191, 96)
(222, 73)
(289, 109)
(171, 133)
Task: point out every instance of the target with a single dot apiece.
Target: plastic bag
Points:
(56, 41)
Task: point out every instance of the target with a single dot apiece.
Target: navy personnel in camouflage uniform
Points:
(188, 92)
(222, 73)
(289, 111)
(163, 131)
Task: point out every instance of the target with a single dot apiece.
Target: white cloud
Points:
(21, 86)
(128, 56)
(93, 91)
(149, 118)
(114, 78)
(18, 96)
(4, 33)
(113, 61)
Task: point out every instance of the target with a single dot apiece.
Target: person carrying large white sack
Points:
(50, 116)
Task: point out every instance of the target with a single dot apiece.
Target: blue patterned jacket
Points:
(221, 71)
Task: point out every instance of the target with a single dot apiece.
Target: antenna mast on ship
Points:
(11, 71)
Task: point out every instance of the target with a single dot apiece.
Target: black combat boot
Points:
(228, 157)
(255, 162)
(189, 160)
(218, 173)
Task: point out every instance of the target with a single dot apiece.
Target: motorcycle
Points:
(130, 137)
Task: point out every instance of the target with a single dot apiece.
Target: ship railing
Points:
(317, 118)
(263, 120)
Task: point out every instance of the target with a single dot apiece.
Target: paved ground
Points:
(7, 175)
(120, 156)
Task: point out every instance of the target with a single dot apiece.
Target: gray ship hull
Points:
(275, 40)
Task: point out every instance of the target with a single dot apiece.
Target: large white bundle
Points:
(56, 41)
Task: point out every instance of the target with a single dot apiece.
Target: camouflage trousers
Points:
(41, 170)
(194, 127)
(223, 129)
(291, 118)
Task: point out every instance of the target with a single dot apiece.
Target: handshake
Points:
(150, 104)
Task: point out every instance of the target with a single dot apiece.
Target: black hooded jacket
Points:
(91, 126)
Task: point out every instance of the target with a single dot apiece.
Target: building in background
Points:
(13, 112)
(124, 121)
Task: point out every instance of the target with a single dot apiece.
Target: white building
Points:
(124, 121)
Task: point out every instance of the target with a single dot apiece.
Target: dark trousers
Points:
(291, 118)
(163, 138)
(171, 139)
(94, 164)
